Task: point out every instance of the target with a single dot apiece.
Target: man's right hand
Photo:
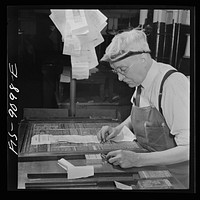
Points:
(106, 133)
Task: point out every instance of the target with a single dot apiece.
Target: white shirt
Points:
(175, 101)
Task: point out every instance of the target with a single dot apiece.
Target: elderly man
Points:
(160, 113)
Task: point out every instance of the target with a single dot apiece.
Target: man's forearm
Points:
(126, 122)
(167, 157)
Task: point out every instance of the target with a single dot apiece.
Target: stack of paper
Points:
(81, 33)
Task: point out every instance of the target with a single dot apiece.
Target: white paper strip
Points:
(143, 16)
(125, 135)
(162, 16)
(159, 16)
(180, 16)
(184, 18)
(155, 16)
(175, 16)
(187, 22)
(49, 139)
(169, 17)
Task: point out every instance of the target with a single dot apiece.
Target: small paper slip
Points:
(122, 186)
(74, 172)
(125, 135)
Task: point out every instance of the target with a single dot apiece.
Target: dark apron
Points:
(150, 129)
(153, 134)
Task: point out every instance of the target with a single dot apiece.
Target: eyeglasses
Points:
(130, 53)
(122, 71)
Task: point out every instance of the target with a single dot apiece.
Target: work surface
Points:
(49, 175)
(30, 152)
(38, 164)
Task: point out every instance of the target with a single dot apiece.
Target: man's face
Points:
(131, 70)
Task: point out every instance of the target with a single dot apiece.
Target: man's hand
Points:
(106, 133)
(124, 158)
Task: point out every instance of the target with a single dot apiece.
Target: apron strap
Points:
(138, 92)
(161, 88)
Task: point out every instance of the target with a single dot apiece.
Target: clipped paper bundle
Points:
(81, 33)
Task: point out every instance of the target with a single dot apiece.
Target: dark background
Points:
(40, 58)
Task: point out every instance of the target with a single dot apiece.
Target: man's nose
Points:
(120, 77)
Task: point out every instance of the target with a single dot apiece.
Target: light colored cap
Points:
(121, 44)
